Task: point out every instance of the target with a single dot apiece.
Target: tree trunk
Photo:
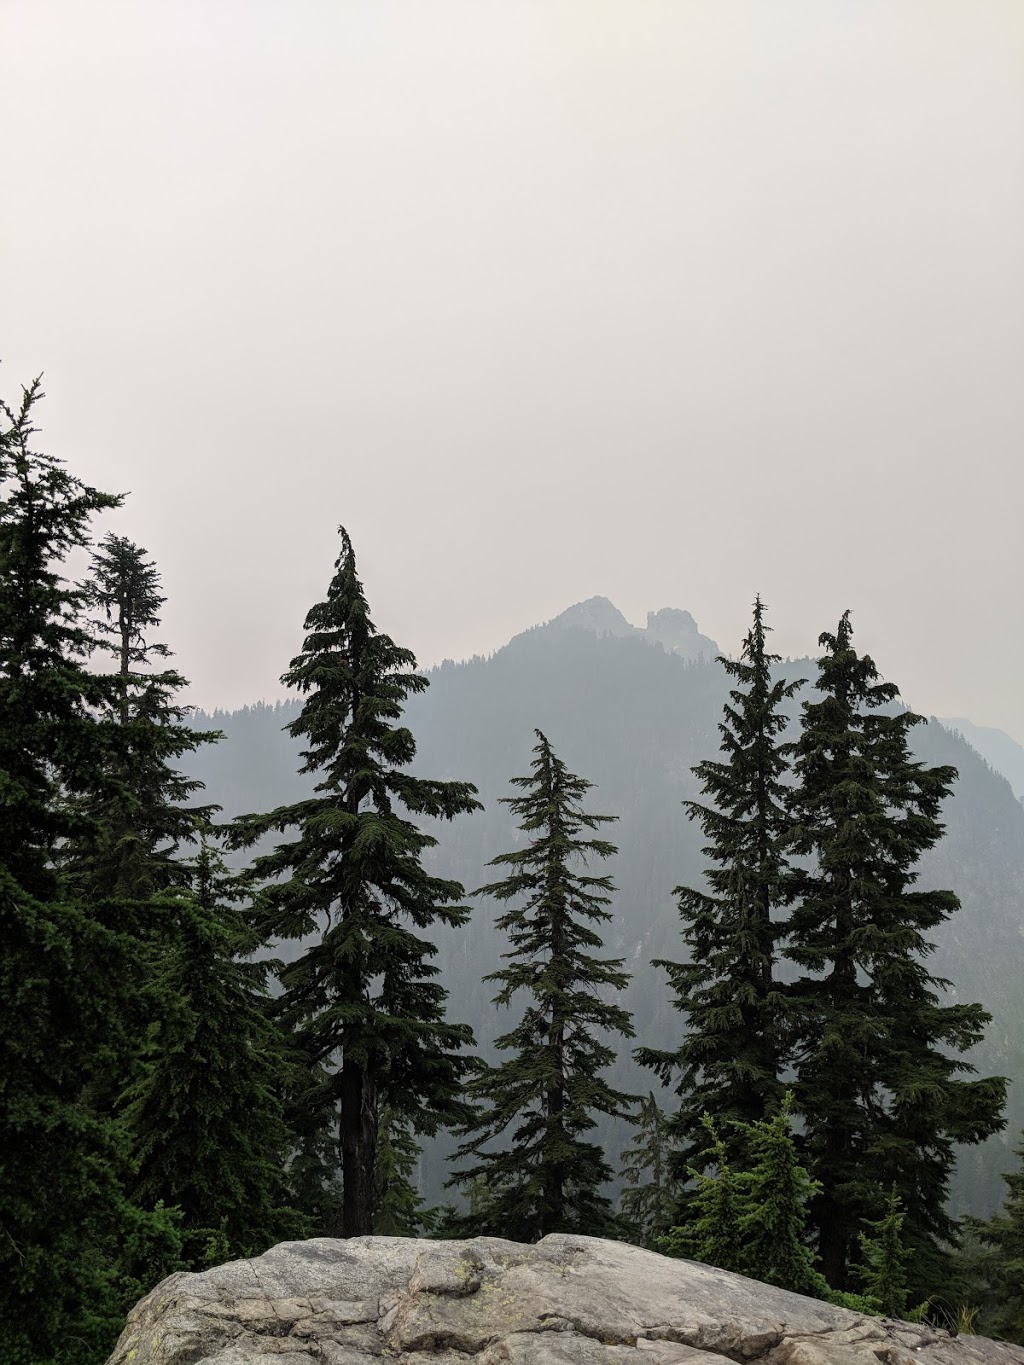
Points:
(834, 1245)
(359, 1119)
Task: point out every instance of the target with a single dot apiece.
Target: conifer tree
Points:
(398, 1210)
(1003, 1235)
(62, 1210)
(773, 1226)
(204, 1119)
(751, 1219)
(127, 861)
(712, 1232)
(882, 1271)
(650, 1192)
(729, 1061)
(143, 818)
(878, 1058)
(361, 997)
(542, 1099)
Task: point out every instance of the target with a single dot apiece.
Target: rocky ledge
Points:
(565, 1301)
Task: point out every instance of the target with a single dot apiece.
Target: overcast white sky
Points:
(667, 300)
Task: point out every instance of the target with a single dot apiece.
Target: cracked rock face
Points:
(565, 1301)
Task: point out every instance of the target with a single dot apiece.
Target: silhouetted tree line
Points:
(161, 1108)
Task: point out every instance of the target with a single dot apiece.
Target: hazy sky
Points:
(667, 301)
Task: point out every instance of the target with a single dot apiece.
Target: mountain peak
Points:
(596, 614)
(675, 630)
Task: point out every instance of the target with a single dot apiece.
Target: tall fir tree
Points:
(145, 816)
(361, 996)
(878, 1058)
(204, 1119)
(62, 1208)
(730, 1059)
(543, 1098)
(650, 1189)
(125, 865)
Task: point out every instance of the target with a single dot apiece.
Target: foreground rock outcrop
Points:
(565, 1301)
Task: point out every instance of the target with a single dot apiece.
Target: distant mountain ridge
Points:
(999, 750)
(675, 630)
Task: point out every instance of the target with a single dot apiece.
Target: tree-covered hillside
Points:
(636, 719)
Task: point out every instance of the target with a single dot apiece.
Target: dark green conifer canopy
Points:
(878, 1057)
(729, 1062)
(204, 1118)
(361, 996)
(63, 1213)
(542, 1099)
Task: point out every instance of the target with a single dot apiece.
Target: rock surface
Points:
(565, 1301)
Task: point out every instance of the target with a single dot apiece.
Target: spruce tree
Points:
(878, 1059)
(361, 998)
(751, 1217)
(62, 1209)
(711, 1232)
(542, 1099)
(882, 1271)
(203, 1120)
(126, 862)
(773, 1226)
(650, 1190)
(729, 1061)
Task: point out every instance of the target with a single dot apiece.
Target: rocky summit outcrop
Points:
(676, 631)
(565, 1301)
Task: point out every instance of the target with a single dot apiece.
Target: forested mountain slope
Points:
(634, 719)
(1000, 750)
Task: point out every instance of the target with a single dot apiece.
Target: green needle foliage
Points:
(361, 998)
(751, 1221)
(544, 1096)
(50, 742)
(127, 861)
(651, 1191)
(144, 817)
(773, 1224)
(878, 1059)
(204, 1121)
(398, 1210)
(729, 1061)
(712, 1231)
(1003, 1236)
(883, 1261)
(63, 1217)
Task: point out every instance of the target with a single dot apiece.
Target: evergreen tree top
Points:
(855, 772)
(550, 808)
(50, 740)
(45, 513)
(746, 788)
(125, 585)
(356, 681)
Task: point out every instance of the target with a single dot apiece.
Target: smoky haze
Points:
(669, 302)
